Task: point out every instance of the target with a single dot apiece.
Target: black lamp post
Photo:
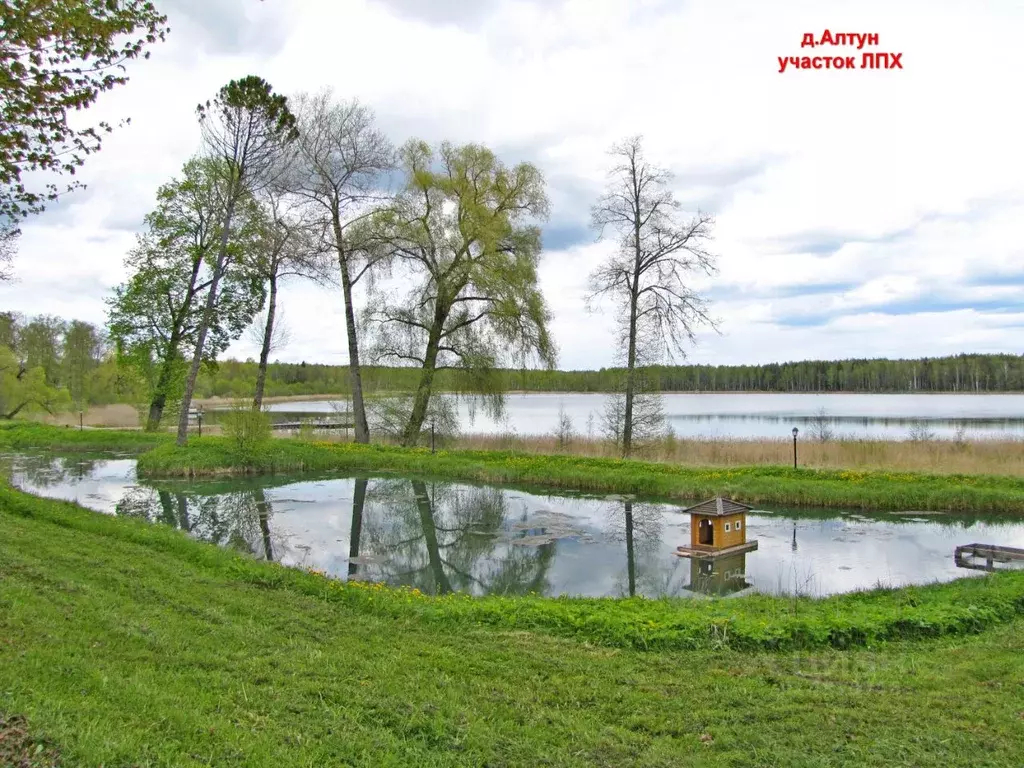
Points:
(795, 431)
(199, 418)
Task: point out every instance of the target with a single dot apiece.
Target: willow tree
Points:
(648, 277)
(464, 232)
(244, 131)
(340, 160)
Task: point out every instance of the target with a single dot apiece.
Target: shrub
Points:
(248, 432)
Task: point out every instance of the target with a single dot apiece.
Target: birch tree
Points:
(244, 130)
(340, 161)
(648, 277)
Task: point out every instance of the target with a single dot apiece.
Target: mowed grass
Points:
(126, 644)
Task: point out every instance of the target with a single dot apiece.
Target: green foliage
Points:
(154, 318)
(79, 358)
(24, 390)
(248, 432)
(39, 346)
(464, 230)
(56, 57)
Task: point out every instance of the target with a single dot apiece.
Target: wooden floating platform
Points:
(968, 555)
(710, 554)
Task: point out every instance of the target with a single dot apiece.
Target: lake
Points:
(443, 536)
(748, 416)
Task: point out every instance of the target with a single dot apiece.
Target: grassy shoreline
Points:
(212, 456)
(215, 456)
(130, 643)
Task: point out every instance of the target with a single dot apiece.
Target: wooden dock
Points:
(984, 557)
(711, 554)
(312, 425)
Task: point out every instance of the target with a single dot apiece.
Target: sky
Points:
(859, 213)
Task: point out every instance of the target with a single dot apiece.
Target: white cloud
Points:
(903, 187)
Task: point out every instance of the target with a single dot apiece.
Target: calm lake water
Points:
(443, 537)
(891, 417)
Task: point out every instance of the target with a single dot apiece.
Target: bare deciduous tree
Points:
(341, 162)
(648, 276)
(286, 249)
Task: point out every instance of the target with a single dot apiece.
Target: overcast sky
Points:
(859, 213)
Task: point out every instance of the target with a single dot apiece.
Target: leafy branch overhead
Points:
(56, 58)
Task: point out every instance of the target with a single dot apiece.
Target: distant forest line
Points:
(968, 373)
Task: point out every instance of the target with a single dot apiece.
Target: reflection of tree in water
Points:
(240, 519)
(639, 526)
(441, 538)
(47, 471)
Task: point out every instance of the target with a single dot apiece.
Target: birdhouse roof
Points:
(718, 507)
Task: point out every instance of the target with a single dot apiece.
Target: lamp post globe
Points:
(795, 431)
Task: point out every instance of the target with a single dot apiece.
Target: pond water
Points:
(441, 536)
(741, 415)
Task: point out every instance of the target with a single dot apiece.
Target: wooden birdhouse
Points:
(718, 527)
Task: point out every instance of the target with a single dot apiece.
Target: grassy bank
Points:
(22, 434)
(779, 485)
(980, 457)
(128, 643)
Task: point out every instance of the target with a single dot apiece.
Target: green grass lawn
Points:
(123, 643)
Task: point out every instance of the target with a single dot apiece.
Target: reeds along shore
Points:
(1002, 457)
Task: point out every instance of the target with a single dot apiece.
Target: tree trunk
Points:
(183, 522)
(355, 534)
(263, 510)
(634, 296)
(442, 585)
(630, 554)
(156, 405)
(361, 427)
(422, 398)
(167, 514)
(268, 335)
(204, 326)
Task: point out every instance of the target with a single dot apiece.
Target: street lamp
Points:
(795, 431)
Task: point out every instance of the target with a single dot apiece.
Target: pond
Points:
(443, 536)
(748, 415)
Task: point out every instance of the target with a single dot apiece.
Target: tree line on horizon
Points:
(48, 363)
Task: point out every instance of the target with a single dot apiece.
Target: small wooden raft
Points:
(969, 555)
(702, 553)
